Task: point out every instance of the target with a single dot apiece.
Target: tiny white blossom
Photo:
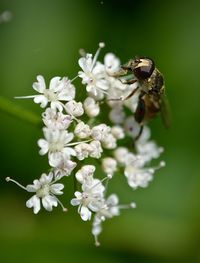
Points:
(82, 130)
(112, 63)
(93, 74)
(109, 208)
(117, 132)
(85, 174)
(62, 165)
(149, 150)
(56, 141)
(109, 142)
(109, 165)
(59, 90)
(138, 175)
(56, 120)
(117, 115)
(100, 132)
(44, 189)
(82, 150)
(74, 108)
(132, 128)
(91, 107)
(90, 199)
(120, 154)
(96, 149)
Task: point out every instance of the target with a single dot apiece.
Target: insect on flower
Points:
(152, 99)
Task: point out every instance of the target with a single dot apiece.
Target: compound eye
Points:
(144, 69)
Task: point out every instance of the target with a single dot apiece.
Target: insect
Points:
(152, 99)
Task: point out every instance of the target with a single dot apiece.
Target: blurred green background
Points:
(44, 37)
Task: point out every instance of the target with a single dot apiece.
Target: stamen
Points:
(108, 177)
(97, 244)
(127, 206)
(101, 45)
(161, 164)
(82, 52)
(25, 97)
(74, 78)
(75, 143)
(61, 204)
(8, 179)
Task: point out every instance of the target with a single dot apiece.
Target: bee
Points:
(152, 99)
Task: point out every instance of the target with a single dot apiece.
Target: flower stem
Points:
(10, 108)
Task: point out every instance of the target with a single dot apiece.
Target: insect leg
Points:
(126, 98)
(140, 132)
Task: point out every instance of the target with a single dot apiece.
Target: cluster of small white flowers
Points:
(74, 131)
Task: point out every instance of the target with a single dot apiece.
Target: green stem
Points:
(14, 110)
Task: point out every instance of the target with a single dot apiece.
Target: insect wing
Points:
(165, 111)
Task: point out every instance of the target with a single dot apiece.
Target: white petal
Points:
(48, 202)
(44, 145)
(68, 137)
(56, 189)
(34, 202)
(75, 202)
(68, 151)
(54, 83)
(31, 188)
(86, 63)
(39, 86)
(85, 213)
(56, 105)
(41, 99)
(112, 200)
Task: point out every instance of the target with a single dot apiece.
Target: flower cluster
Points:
(92, 140)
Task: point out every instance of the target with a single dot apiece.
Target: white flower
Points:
(62, 166)
(96, 149)
(117, 132)
(56, 141)
(82, 150)
(149, 150)
(82, 130)
(59, 90)
(100, 132)
(74, 108)
(91, 107)
(93, 74)
(85, 174)
(117, 115)
(56, 120)
(112, 63)
(109, 165)
(120, 154)
(110, 208)
(138, 175)
(90, 199)
(109, 142)
(44, 189)
(131, 127)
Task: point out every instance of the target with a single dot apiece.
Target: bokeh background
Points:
(44, 37)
